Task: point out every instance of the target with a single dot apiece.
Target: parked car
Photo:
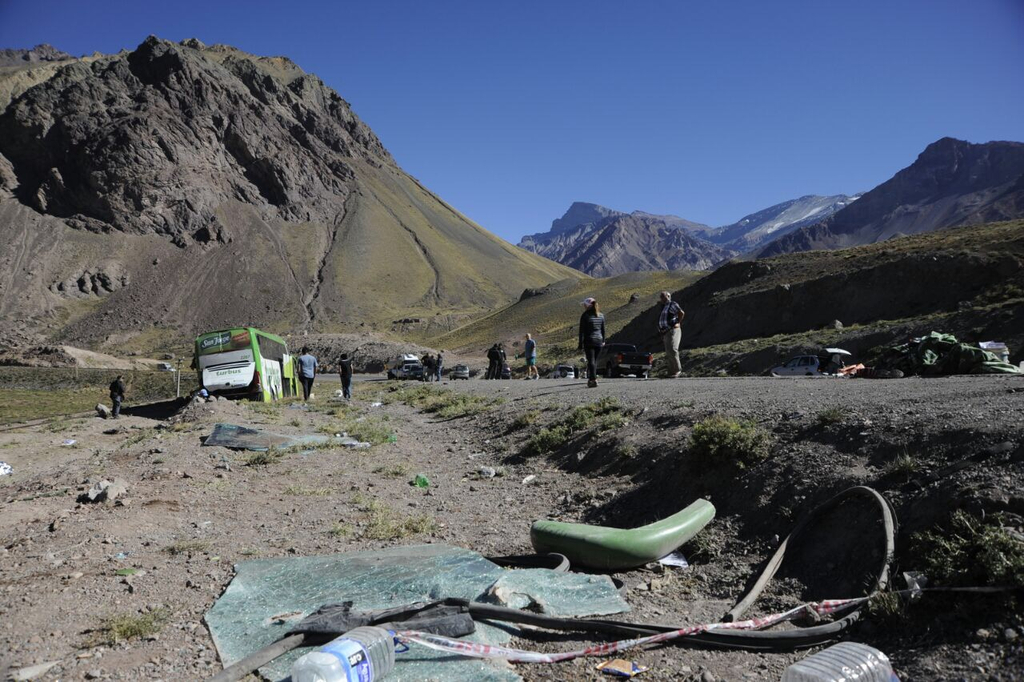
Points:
(459, 372)
(828, 362)
(164, 367)
(563, 372)
(617, 359)
(405, 366)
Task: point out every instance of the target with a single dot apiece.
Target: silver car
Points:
(459, 372)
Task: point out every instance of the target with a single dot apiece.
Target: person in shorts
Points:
(530, 353)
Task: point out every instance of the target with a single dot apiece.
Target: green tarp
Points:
(268, 596)
(941, 354)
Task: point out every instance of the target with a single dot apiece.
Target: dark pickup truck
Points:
(618, 359)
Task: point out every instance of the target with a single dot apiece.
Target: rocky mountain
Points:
(770, 223)
(641, 241)
(603, 242)
(951, 183)
(622, 243)
(191, 187)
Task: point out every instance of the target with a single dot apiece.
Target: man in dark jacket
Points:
(117, 395)
(345, 372)
(591, 337)
(493, 362)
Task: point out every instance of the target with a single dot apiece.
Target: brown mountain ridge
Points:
(187, 187)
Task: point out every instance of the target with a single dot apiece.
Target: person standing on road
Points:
(345, 373)
(591, 337)
(117, 390)
(307, 372)
(493, 364)
(670, 326)
(530, 353)
(438, 365)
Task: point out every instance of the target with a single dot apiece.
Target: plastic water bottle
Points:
(843, 662)
(365, 654)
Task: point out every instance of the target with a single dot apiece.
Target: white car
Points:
(563, 372)
(812, 365)
(405, 366)
(801, 365)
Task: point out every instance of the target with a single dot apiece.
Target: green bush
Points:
(970, 551)
(606, 414)
(831, 415)
(730, 441)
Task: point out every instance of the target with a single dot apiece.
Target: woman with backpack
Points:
(591, 337)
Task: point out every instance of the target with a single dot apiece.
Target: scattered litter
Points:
(69, 441)
(104, 491)
(619, 667)
(846, 660)
(33, 671)
(674, 559)
(943, 354)
(6, 469)
(529, 479)
(122, 555)
(245, 438)
(487, 472)
(420, 481)
(124, 572)
(376, 404)
(113, 432)
(240, 619)
(997, 348)
(605, 548)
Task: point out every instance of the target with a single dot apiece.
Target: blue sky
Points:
(511, 111)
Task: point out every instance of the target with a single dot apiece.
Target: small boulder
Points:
(104, 491)
(102, 410)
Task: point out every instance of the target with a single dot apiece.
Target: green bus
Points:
(245, 363)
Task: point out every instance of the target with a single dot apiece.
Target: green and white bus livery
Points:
(245, 363)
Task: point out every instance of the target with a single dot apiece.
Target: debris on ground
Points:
(846, 660)
(104, 491)
(618, 667)
(242, 620)
(674, 559)
(606, 548)
(103, 411)
(246, 438)
(420, 481)
(942, 354)
(33, 672)
(6, 469)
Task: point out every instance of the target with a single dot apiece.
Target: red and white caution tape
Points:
(478, 650)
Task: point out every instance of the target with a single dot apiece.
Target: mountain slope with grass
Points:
(951, 183)
(177, 188)
(552, 313)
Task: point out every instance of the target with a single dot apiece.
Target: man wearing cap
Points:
(669, 325)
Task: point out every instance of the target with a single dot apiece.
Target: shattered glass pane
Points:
(268, 596)
(532, 589)
(246, 438)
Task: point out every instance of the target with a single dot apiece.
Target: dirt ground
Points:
(191, 512)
